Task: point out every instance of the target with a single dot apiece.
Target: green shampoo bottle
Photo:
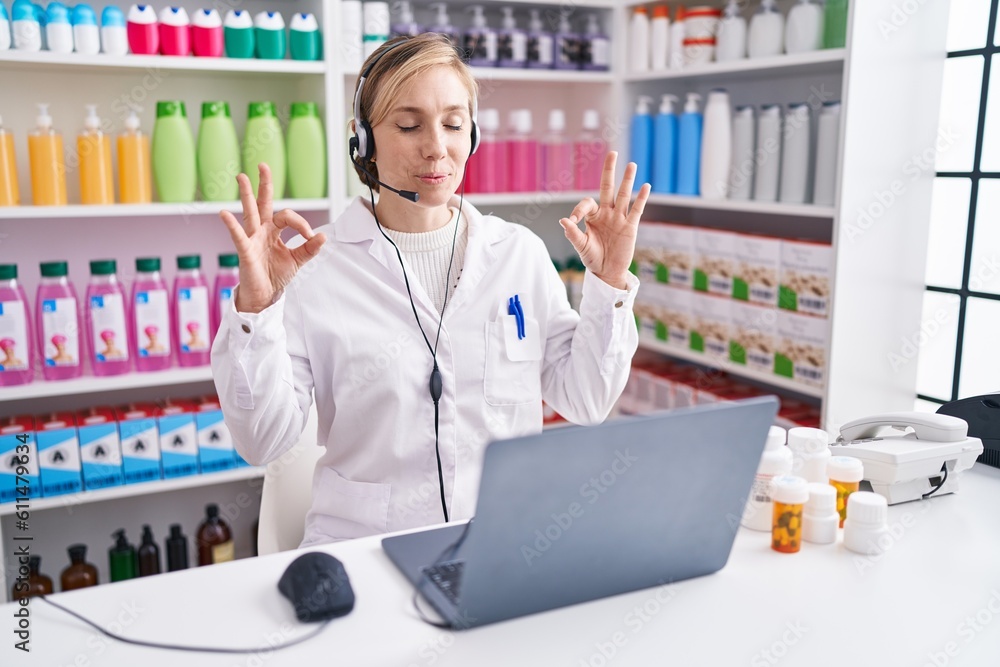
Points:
(174, 168)
(122, 557)
(263, 142)
(218, 154)
(306, 152)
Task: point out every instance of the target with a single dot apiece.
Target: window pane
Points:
(936, 344)
(967, 24)
(991, 131)
(963, 81)
(984, 272)
(980, 362)
(949, 223)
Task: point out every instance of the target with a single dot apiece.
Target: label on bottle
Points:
(540, 50)
(599, 51)
(512, 46)
(760, 492)
(13, 336)
(192, 316)
(225, 298)
(567, 51)
(224, 552)
(107, 318)
(60, 333)
(152, 323)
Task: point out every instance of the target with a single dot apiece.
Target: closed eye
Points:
(407, 129)
(454, 128)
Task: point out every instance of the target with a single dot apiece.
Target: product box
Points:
(18, 449)
(215, 444)
(677, 316)
(100, 448)
(754, 336)
(646, 308)
(178, 439)
(758, 266)
(801, 352)
(646, 252)
(58, 454)
(806, 271)
(676, 257)
(712, 322)
(715, 261)
(140, 442)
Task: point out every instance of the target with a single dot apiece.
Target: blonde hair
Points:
(405, 58)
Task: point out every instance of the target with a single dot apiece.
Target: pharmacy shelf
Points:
(104, 62)
(824, 60)
(529, 75)
(766, 208)
(92, 385)
(131, 490)
(148, 210)
(527, 198)
(731, 368)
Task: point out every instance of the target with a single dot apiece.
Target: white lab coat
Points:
(344, 330)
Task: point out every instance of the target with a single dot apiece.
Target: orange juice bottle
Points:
(94, 148)
(48, 164)
(9, 194)
(135, 180)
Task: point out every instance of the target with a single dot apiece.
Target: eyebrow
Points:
(453, 107)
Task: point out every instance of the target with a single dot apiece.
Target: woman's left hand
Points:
(607, 246)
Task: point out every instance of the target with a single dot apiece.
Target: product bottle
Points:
(731, 43)
(638, 40)
(218, 154)
(595, 48)
(820, 518)
(442, 23)
(215, 540)
(304, 39)
(541, 43)
(716, 146)
(306, 152)
(567, 45)
(804, 28)
(149, 554)
(264, 142)
(17, 353)
(689, 147)
(79, 573)
(58, 322)
(480, 41)
(406, 26)
(94, 148)
(37, 583)
(151, 309)
(143, 30)
(177, 549)
(867, 523)
(135, 179)
(226, 280)
(512, 42)
(48, 166)
(827, 144)
(664, 176)
(795, 160)
(741, 171)
(86, 34)
(845, 474)
(174, 163)
(175, 32)
(207, 39)
(557, 155)
(675, 53)
(641, 141)
(767, 31)
(114, 34)
(522, 154)
(768, 153)
(58, 28)
(191, 313)
(377, 25)
(835, 24)
(810, 453)
(660, 38)
(269, 35)
(490, 161)
(10, 194)
(122, 558)
(775, 462)
(589, 151)
(790, 494)
(108, 320)
(238, 32)
(4, 29)
(25, 26)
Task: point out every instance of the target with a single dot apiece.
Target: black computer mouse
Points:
(318, 587)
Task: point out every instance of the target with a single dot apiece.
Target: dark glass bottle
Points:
(122, 558)
(215, 539)
(79, 573)
(149, 554)
(177, 549)
(37, 583)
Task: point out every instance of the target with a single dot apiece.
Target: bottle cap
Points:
(207, 18)
(489, 120)
(775, 438)
(112, 17)
(189, 261)
(822, 500)
(691, 106)
(790, 490)
(703, 12)
(641, 10)
(3, 13)
(142, 15)
(269, 21)
(522, 121)
(121, 544)
(174, 16)
(103, 267)
(77, 552)
(54, 269)
(44, 120)
(8, 271)
(831, 107)
(667, 104)
(23, 10)
(808, 440)
(557, 120)
(258, 109)
(92, 121)
(679, 14)
(305, 109)
(867, 508)
(238, 18)
(644, 105)
(508, 22)
(442, 13)
(214, 109)
(56, 12)
(229, 260)
(845, 469)
(303, 22)
(591, 119)
(132, 122)
(84, 15)
(745, 110)
(593, 28)
(478, 19)
(175, 531)
(34, 564)
(147, 535)
(147, 264)
(170, 108)
(771, 110)
(212, 510)
(661, 11)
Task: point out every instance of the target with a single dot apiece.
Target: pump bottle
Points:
(742, 170)
(804, 28)
(406, 26)
(731, 43)
(48, 166)
(768, 154)
(122, 558)
(641, 141)
(149, 554)
(767, 31)
(567, 45)
(10, 194)
(215, 539)
(689, 147)
(664, 176)
(135, 178)
(541, 53)
(177, 549)
(717, 146)
(94, 148)
(595, 49)
(480, 40)
(512, 42)
(442, 23)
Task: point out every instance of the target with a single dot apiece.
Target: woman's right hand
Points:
(267, 265)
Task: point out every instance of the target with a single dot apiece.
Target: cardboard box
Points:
(140, 442)
(215, 444)
(18, 450)
(801, 352)
(712, 322)
(178, 439)
(100, 448)
(715, 261)
(677, 316)
(58, 454)
(647, 308)
(754, 336)
(806, 277)
(758, 267)
(647, 250)
(676, 255)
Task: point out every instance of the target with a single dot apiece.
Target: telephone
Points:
(924, 460)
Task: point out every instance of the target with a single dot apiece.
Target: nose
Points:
(436, 145)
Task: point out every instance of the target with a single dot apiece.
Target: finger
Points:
(251, 217)
(286, 217)
(573, 233)
(640, 204)
(236, 230)
(608, 178)
(625, 191)
(309, 249)
(265, 193)
(586, 207)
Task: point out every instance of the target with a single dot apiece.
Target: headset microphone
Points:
(405, 194)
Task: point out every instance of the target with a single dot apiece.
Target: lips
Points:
(433, 178)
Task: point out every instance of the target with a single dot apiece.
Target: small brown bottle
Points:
(36, 583)
(79, 573)
(215, 539)
(149, 554)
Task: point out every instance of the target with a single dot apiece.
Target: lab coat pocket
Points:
(513, 374)
(359, 508)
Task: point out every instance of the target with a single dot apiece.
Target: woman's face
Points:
(424, 141)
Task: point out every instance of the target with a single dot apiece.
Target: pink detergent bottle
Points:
(191, 313)
(522, 154)
(151, 317)
(226, 281)
(108, 321)
(58, 320)
(17, 353)
(557, 155)
(491, 157)
(589, 151)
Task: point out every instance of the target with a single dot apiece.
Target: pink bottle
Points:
(589, 151)
(491, 158)
(522, 154)
(151, 317)
(206, 34)
(108, 321)
(17, 351)
(226, 280)
(143, 31)
(557, 155)
(175, 32)
(191, 313)
(57, 317)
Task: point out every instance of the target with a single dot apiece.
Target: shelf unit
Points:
(798, 63)
(80, 211)
(759, 207)
(103, 62)
(97, 385)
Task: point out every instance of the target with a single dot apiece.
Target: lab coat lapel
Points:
(480, 255)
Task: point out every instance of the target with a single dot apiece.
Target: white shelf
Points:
(106, 62)
(823, 60)
(91, 385)
(527, 198)
(140, 489)
(74, 211)
(530, 75)
(766, 208)
(731, 368)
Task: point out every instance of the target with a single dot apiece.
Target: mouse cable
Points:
(177, 647)
(447, 554)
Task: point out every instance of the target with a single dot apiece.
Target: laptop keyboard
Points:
(447, 577)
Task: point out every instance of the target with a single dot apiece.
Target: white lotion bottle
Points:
(675, 49)
(795, 161)
(804, 27)
(731, 43)
(716, 145)
(827, 145)
(767, 31)
(660, 38)
(768, 154)
(639, 40)
(742, 170)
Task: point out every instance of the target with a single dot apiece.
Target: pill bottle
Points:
(820, 518)
(810, 452)
(789, 493)
(865, 527)
(845, 473)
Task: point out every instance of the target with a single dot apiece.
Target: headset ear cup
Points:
(475, 138)
(366, 142)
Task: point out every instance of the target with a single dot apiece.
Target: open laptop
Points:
(580, 513)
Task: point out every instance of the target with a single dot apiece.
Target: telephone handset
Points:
(925, 425)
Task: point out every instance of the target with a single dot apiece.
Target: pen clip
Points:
(520, 318)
